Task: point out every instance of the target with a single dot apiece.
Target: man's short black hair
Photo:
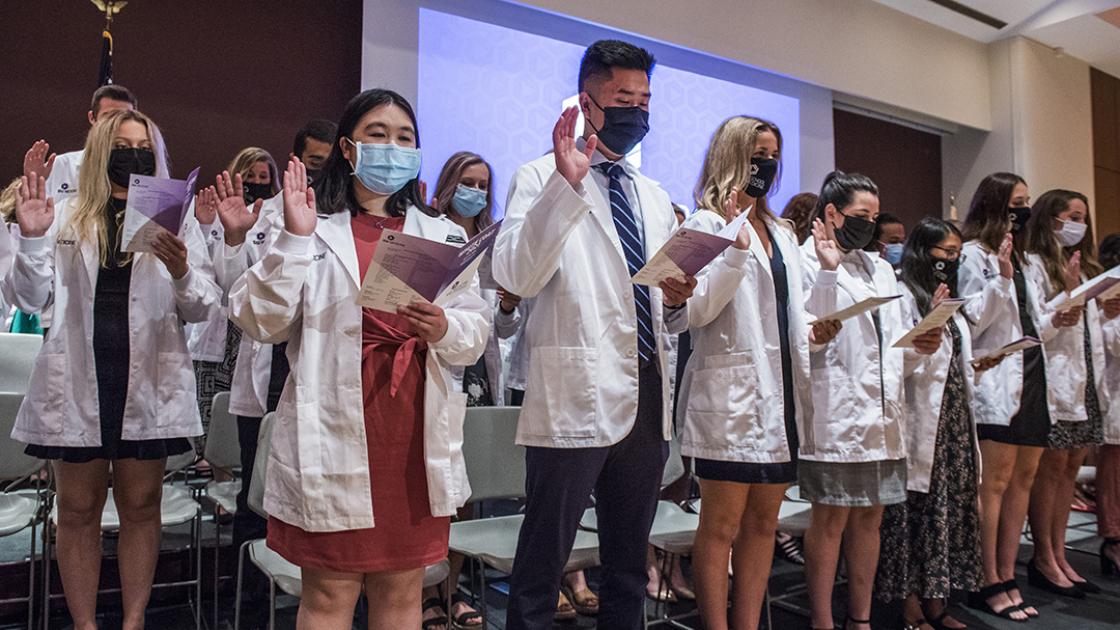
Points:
(604, 55)
(319, 129)
(113, 93)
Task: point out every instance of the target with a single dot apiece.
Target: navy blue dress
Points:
(782, 472)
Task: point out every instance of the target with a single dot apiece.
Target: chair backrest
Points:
(19, 352)
(176, 463)
(495, 465)
(260, 466)
(222, 448)
(14, 464)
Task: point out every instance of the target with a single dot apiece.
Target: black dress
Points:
(111, 362)
(780, 472)
(1031, 425)
(931, 543)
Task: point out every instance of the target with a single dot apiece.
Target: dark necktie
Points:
(627, 229)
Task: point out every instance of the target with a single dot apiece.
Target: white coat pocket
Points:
(564, 403)
(725, 397)
(835, 411)
(52, 412)
(174, 396)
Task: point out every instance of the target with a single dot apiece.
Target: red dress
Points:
(405, 535)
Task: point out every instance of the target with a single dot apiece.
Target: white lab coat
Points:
(61, 405)
(505, 326)
(304, 291)
(923, 387)
(732, 399)
(857, 382)
(1064, 349)
(992, 308)
(1110, 329)
(207, 340)
(559, 246)
(518, 374)
(62, 185)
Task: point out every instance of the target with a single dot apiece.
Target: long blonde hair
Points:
(727, 164)
(245, 159)
(8, 201)
(89, 219)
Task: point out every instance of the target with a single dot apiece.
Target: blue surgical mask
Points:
(468, 202)
(385, 168)
(892, 253)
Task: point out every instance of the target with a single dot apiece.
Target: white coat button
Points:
(631, 353)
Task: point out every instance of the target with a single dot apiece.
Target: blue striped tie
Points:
(631, 239)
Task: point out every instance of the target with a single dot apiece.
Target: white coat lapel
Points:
(601, 210)
(759, 251)
(335, 231)
(431, 228)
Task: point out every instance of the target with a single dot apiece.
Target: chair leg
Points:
(31, 577)
(240, 573)
(482, 591)
(47, 552)
(217, 547)
(197, 540)
(271, 604)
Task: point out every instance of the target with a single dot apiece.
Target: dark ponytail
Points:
(840, 188)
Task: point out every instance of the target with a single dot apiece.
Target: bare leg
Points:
(1062, 509)
(82, 489)
(822, 553)
(861, 552)
(753, 553)
(328, 600)
(137, 489)
(1015, 504)
(999, 465)
(1044, 500)
(720, 515)
(394, 598)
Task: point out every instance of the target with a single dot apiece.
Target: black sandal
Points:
(462, 622)
(1108, 567)
(1012, 585)
(916, 624)
(979, 601)
(430, 603)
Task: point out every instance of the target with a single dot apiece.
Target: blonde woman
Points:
(113, 383)
(741, 398)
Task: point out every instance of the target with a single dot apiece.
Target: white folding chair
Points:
(223, 452)
(19, 352)
(22, 509)
(177, 507)
(496, 470)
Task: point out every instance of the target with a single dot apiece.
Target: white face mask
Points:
(1071, 233)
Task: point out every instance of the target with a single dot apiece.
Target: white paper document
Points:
(1105, 287)
(406, 269)
(687, 252)
(934, 319)
(1011, 348)
(858, 308)
(155, 205)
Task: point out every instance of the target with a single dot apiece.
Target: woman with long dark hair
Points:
(366, 467)
(1059, 253)
(1009, 406)
(931, 543)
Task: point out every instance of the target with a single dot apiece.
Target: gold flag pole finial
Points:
(953, 208)
(109, 8)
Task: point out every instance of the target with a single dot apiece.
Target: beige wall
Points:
(857, 47)
(1042, 125)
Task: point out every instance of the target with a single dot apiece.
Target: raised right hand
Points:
(34, 208)
(572, 163)
(236, 219)
(828, 252)
(35, 161)
(1073, 271)
(299, 200)
(1006, 269)
(730, 213)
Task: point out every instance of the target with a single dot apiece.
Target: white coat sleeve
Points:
(267, 301)
(468, 328)
(32, 274)
(988, 300)
(716, 283)
(1110, 332)
(1038, 288)
(540, 216)
(197, 296)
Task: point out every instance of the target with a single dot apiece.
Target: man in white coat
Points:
(579, 223)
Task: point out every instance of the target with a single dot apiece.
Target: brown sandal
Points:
(564, 609)
(584, 601)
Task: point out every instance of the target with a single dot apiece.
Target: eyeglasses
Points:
(952, 254)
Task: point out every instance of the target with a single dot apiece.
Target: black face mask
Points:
(256, 191)
(763, 171)
(312, 176)
(1019, 216)
(855, 233)
(945, 270)
(125, 162)
(623, 127)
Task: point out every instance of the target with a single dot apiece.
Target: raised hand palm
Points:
(234, 215)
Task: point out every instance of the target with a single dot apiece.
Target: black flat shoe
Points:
(1087, 587)
(1108, 567)
(1038, 580)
